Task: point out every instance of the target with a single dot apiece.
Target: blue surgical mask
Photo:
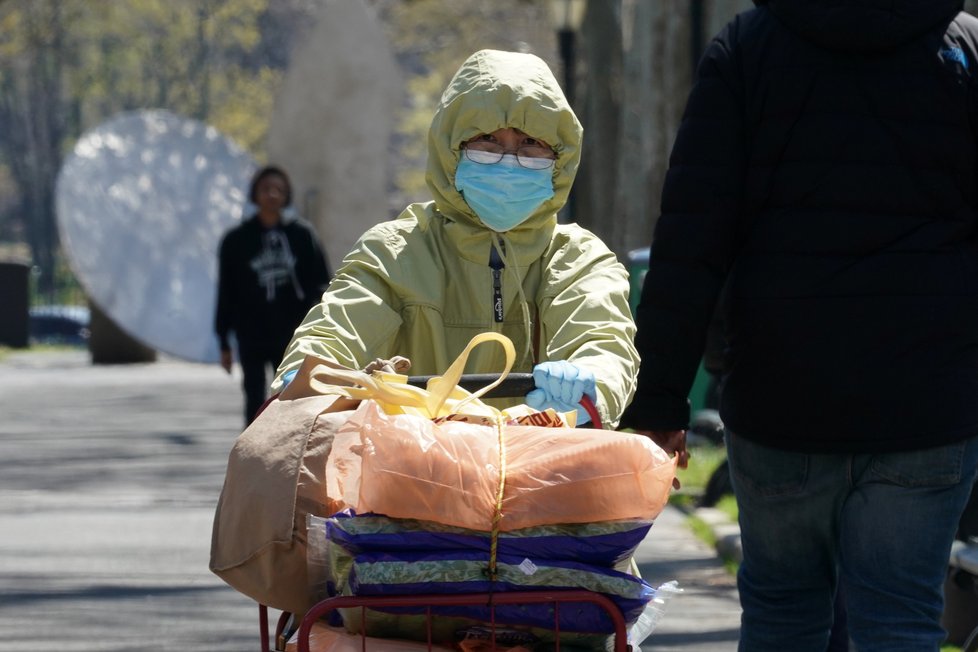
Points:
(503, 194)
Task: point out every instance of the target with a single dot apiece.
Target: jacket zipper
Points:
(497, 266)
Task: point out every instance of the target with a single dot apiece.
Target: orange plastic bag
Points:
(391, 458)
(405, 466)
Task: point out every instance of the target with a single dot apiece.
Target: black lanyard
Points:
(497, 266)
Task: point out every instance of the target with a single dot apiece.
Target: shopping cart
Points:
(512, 385)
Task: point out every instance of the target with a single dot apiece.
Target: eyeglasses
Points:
(533, 157)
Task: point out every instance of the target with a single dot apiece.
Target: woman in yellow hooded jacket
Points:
(487, 254)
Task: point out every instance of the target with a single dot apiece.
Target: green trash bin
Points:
(638, 265)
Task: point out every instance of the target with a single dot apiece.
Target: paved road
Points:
(108, 480)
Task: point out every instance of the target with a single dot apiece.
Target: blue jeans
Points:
(882, 525)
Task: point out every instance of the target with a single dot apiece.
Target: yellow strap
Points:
(497, 515)
(441, 398)
(443, 387)
(387, 389)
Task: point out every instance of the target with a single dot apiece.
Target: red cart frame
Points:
(491, 600)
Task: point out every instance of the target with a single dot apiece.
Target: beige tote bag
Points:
(274, 480)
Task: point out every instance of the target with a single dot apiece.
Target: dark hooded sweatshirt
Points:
(267, 281)
(824, 173)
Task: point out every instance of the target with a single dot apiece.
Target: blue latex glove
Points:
(560, 385)
(288, 376)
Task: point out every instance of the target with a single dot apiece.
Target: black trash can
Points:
(15, 304)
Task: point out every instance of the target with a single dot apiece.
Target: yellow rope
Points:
(497, 515)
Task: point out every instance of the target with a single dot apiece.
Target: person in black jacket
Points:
(271, 271)
(825, 170)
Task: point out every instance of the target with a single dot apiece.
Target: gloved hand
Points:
(560, 385)
(288, 377)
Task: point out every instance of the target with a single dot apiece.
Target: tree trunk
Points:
(657, 72)
(200, 69)
(42, 117)
(598, 108)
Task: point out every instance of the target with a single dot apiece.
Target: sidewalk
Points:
(705, 617)
(108, 480)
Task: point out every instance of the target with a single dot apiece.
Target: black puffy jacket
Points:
(825, 170)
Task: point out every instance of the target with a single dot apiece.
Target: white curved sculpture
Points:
(142, 203)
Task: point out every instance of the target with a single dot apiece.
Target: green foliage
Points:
(190, 58)
(68, 65)
(251, 98)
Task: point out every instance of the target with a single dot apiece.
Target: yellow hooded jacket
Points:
(420, 286)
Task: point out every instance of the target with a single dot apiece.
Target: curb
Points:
(726, 532)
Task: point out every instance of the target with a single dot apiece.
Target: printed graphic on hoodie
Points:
(274, 264)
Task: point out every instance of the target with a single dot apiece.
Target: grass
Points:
(50, 347)
(702, 531)
(703, 461)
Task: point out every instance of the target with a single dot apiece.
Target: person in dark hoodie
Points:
(825, 170)
(270, 272)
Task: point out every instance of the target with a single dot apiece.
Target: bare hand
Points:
(673, 442)
(226, 360)
(396, 365)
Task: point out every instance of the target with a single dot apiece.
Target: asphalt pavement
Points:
(108, 480)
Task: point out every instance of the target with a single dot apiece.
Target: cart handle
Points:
(513, 385)
(519, 384)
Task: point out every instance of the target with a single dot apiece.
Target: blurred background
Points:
(339, 92)
(129, 130)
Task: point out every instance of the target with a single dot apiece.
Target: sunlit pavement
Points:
(108, 481)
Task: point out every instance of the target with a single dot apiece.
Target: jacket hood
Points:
(494, 90)
(862, 25)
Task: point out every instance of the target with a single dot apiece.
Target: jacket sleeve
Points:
(585, 319)
(694, 241)
(225, 294)
(358, 312)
